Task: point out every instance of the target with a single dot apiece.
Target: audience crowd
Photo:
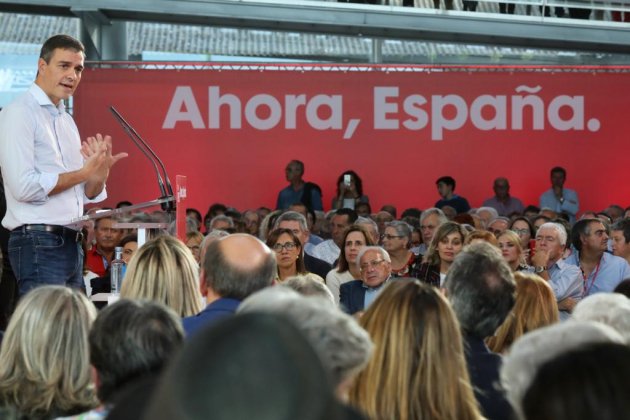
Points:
(499, 312)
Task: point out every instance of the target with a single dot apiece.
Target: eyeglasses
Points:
(373, 264)
(521, 231)
(390, 237)
(287, 245)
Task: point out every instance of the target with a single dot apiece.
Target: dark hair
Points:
(216, 209)
(448, 180)
(587, 383)
(124, 203)
(273, 238)
(531, 208)
(357, 181)
(130, 339)
(481, 289)
(581, 228)
(196, 213)
(558, 169)
(343, 262)
(530, 226)
(64, 42)
(623, 288)
(129, 238)
(233, 282)
(369, 208)
(352, 215)
(411, 212)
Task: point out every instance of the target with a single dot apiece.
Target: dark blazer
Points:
(483, 367)
(352, 296)
(219, 309)
(316, 266)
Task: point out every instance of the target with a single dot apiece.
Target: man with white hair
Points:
(486, 214)
(498, 225)
(565, 279)
(376, 269)
(430, 219)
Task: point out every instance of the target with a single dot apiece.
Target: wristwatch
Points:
(540, 269)
(561, 200)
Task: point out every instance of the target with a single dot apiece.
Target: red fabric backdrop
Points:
(232, 131)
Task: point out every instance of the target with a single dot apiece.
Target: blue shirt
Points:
(460, 204)
(566, 281)
(604, 278)
(371, 293)
(512, 205)
(39, 141)
(219, 309)
(570, 205)
(288, 196)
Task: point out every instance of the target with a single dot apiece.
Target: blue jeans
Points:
(43, 258)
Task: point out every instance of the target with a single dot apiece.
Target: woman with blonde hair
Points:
(535, 307)
(45, 362)
(418, 370)
(164, 270)
(510, 245)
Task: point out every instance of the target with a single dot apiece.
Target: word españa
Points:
(390, 111)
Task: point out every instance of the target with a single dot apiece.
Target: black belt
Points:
(72, 234)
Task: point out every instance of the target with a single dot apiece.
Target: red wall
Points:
(457, 121)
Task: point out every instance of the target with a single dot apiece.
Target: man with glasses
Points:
(376, 270)
(565, 279)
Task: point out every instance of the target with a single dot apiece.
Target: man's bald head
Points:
(238, 265)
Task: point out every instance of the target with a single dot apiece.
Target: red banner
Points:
(232, 131)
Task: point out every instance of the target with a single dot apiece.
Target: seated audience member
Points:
(343, 346)
(355, 239)
(389, 208)
(363, 209)
(449, 212)
(252, 366)
(311, 218)
(430, 220)
(531, 211)
(129, 245)
(477, 236)
(620, 234)
(310, 285)
(371, 227)
(540, 220)
(233, 268)
(330, 249)
(107, 238)
(481, 289)
(376, 269)
(446, 244)
(130, 343)
(612, 309)
(601, 271)
(95, 285)
(502, 201)
(289, 253)
(532, 350)
(469, 221)
(498, 225)
(195, 214)
(586, 383)
(44, 360)
(486, 214)
(418, 370)
(297, 223)
(526, 233)
(510, 245)
(446, 189)
(266, 226)
(396, 240)
(221, 222)
(165, 271)
(615, 212)
(565, 279)
(252, 222)
(349, 191)
(535, 307)
(382, 218)
(193, 242)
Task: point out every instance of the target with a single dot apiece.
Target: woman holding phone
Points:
(349, 191)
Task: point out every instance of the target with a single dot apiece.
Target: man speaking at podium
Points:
(48, 173)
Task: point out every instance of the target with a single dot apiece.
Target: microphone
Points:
(165, 188)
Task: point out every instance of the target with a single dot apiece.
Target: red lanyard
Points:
(588, 289)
